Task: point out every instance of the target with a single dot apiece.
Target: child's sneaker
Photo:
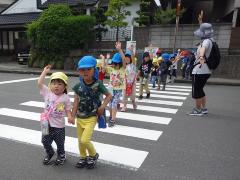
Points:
(92, 161)
(148, 95)
(81, 163)
(111, 123)
(204, 111)
(140, 97)
(60, 159)
(47, 159)
(196, 112)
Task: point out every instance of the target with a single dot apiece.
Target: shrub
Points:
(56, 32)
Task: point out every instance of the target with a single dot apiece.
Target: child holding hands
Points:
(86, 107)
(57, 104)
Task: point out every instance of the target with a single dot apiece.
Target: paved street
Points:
(158, 141)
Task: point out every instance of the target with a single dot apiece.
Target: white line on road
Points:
(19, 80)
(140, 107)
(171, 89)
(154, 91)
(173, 86)
(118, 129)
(110, 154)
(154, 101)
(122, 115)
(167, 97)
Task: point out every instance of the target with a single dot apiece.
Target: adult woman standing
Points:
(201, 71)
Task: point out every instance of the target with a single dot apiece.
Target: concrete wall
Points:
(163, 36)
(229, 67)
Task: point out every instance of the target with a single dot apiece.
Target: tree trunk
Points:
(117, 34)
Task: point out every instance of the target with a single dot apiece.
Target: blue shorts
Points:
(117, 94)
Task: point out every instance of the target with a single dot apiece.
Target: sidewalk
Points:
(14, 67)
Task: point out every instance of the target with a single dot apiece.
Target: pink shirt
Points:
(58, 112)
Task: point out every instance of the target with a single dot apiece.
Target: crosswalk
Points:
(149, 111)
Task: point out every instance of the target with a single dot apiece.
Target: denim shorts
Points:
(117, 94)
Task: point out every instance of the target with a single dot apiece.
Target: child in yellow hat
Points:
(57, 104)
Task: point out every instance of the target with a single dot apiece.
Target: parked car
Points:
(23, 57)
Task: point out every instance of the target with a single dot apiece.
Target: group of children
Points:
(88, 104)
(164, 68)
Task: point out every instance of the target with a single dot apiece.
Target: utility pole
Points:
(178, 8)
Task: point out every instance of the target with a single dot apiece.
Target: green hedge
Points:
(56, 32)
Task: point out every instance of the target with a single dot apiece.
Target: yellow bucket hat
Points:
(59, 75)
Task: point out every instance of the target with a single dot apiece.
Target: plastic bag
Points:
(44, 123)
(129, 87)
(102, 122)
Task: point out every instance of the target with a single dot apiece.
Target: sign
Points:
(152, 51)
(131, 45)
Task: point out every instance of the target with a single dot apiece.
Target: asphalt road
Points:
(183, 148)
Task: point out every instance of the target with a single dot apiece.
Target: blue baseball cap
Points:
(128, 54)
(172, 56)
(87, 62)
(165, 56)
(116, 58)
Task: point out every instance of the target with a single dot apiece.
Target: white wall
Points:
(22, 6)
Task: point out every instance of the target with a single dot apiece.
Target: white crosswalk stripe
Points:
(110, 154)
(170, 89)
(128, 116)
(140, 107)
(120, 130)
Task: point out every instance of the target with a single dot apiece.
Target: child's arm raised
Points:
(132, 54)
(119, 49)
(103, 67)
(45, 71)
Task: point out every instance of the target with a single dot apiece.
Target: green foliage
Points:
(144, 13)
(117, 13)
(56, 32)
(100, 22)
(167, 16)
(79, 9)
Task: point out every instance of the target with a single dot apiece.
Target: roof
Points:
(69, 2)
(17, 20)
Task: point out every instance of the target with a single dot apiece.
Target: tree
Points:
(116, 14)
(100, 23)
(79, 9)
(166, 16)
(56, 32)
(144, 13)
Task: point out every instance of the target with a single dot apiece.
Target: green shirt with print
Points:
(89, 97)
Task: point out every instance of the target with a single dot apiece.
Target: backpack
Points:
(214, 58)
